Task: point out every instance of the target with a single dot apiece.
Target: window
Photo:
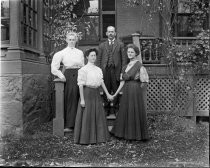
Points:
(89, 16)
(185, 26)
(87, 20)
(5, 20)
(29, 23)
(47, 13)
(108, 15)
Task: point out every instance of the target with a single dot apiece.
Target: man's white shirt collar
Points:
(111, 40)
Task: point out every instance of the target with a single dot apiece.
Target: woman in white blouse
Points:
(72, 59)
(90, 124)
(131, 121)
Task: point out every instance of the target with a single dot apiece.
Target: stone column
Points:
(40, 30)
(58, 121)
(14, 51)
(135, 38)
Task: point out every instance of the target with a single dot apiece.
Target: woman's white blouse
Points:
(70, 57)
(144, 77)
(90, 75)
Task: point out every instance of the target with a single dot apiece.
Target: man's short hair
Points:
(110, 26)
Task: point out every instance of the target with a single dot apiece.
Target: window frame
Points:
(46, 19)
(100, 14)
(7, 41)
(176, 14)
(33, 27)
(106, 13)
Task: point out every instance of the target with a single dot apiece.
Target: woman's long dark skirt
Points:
(91, 125)
(71, 97)
(131, 121)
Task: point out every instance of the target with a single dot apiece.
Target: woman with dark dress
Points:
(90, 125)
(72, 59)
(131, 120)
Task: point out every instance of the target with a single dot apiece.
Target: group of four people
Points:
(107, 68)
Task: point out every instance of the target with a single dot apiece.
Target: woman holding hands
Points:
(131, 121)
(90, 125)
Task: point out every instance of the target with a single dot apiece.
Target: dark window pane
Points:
(25, 34)
(24, 13)
(30, 36)
(34, 21)
(47, 13)
(34, 38)
(108, 20)
(29, 3)
(30, 17)
(4, 29)
(29, 22)
(89, 27)
(186, 28)
(108, 5)
(86, 7)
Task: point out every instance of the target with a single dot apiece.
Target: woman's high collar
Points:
(90, 64)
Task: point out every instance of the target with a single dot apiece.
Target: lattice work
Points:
(181, 98)
(202, 94)
(160, 94)
(164, 95)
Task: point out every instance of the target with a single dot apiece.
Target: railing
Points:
(152, 49)
(184, 41)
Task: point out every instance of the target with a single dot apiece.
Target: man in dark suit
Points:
(111, 58)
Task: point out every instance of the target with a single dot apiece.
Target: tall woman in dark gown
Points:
(131, 120)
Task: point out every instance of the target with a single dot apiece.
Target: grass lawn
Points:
(176, 142)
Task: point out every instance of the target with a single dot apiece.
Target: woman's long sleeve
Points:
(144, 77)
(55, 65)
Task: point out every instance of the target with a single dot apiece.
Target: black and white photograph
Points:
(104, 83)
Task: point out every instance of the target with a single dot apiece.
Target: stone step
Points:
(110, 119)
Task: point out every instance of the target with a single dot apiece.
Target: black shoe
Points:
(146, 140)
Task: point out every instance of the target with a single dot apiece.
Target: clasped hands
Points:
(111, 97)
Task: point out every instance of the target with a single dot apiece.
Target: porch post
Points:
(135, 38)
(58, 121)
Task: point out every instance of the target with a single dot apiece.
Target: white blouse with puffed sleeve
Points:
(70, 57)
(90, 75)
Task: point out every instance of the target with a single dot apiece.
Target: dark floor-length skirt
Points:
(91, 125)
(71, 97)
(131, 122)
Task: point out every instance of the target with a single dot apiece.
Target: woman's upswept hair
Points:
(88, 51)
(135, 48)
(72, 34)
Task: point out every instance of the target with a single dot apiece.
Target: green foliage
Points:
(62, 20)
(197, 54)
